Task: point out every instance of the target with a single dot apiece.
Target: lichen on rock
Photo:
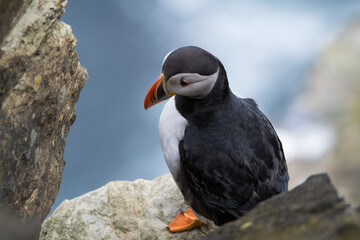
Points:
(40, 83)
(142, 209)
(121, 210)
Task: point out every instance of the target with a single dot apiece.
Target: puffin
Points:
(222, 151)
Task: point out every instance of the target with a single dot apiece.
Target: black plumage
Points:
(189, 60)
(231, 156)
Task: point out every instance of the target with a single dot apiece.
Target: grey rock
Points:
(40, 82)
(334, 94)
(142, 209)
(311, 211)
(121, 210)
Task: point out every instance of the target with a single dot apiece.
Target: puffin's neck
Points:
(199, 109)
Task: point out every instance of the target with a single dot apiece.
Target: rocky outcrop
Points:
(311, 211)
(121, 210)
(334, 94)
(142, 209)
(40, 82)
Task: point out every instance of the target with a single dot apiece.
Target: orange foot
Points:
(185, 220)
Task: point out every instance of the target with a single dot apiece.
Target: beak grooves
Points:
(157, 93)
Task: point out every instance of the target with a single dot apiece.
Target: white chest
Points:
(171, 131)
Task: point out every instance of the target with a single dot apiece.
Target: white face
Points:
(192, 85)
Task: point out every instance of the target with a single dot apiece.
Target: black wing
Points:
(232, 168)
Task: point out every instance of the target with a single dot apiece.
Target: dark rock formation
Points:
(312, 210)
(40, 82)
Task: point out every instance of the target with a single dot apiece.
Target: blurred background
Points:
(300, 61)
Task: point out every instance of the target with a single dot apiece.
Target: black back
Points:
(231, 155)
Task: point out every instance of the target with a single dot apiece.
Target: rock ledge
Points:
(121, 210)
(142, 209)
(312, 210)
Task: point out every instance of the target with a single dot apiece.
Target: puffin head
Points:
(188, 71)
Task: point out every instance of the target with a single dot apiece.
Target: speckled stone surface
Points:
(40, 83)
(121, 210)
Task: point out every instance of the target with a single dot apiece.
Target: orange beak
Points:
(157, 93)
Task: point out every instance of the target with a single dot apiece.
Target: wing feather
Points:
(230, 170)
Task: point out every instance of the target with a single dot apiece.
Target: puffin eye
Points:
(183, 83)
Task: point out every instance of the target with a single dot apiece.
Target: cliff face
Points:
(40, 82)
